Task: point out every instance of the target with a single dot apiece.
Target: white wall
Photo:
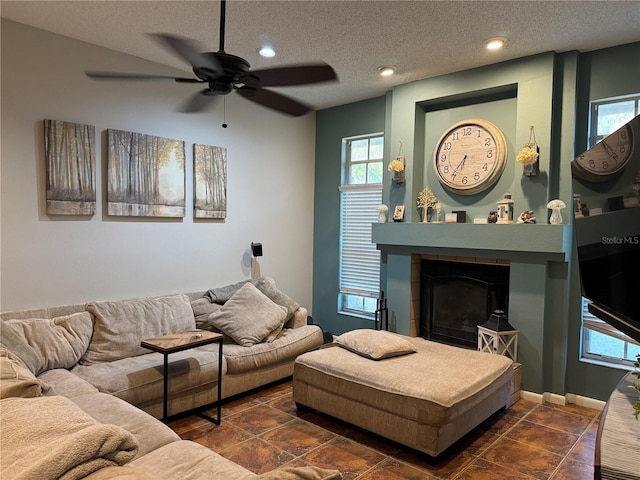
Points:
(48, 261)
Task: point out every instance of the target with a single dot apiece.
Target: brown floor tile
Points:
(583, 451)
(257, 455)
(575, 409)
(445, 466)
(483, 470)
(351, 458)
(391, 469)
(286, 404)
(297, 437)
(263, 431)
(238, 405)
(545, 438)
(559, 418)
(216, 437)
(259, 419)
(570, 470)
(524, 458)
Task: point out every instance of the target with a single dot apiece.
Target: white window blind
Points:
(359, 258)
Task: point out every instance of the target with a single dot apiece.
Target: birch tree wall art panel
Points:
(210, 181)
(145, 175)
(70, 154)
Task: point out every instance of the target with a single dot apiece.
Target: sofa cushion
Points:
(16, 380)
(47, 343)
(149, 432)
(300, 473)
(186, 460)
(61, 381)
(120, 326)
(249, 316)
(193, 375)
(375, 344)
(119, 473)
(289, 344)
(267, 285)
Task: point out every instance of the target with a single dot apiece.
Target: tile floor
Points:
(264, 431)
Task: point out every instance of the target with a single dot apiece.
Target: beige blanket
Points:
(52, 438)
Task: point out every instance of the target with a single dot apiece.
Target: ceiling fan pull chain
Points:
(224, 112)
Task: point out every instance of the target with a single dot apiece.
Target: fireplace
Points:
(456, 297)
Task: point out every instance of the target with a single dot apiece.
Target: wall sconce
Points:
(256, 249)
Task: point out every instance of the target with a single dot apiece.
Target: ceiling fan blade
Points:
(294, 75)
(198, 102)
(188, 50)
(137, 76)
(275, 101)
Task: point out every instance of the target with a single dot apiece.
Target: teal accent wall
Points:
(549, 91)
(332, 125)
(602, 74)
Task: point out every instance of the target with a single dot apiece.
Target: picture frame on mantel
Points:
(209, 181)
(70, 156)
(145, 175)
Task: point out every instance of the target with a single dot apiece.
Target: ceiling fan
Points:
(224, 73)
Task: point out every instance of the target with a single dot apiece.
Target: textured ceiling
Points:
(421, 38)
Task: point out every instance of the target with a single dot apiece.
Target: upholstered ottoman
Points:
(426, 399)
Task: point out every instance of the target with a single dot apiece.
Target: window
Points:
(360, 194)
(601, 342)
(609, 115)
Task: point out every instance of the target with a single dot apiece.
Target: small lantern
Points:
(498, 336)
(505, 209)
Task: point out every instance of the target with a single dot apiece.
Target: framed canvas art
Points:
(210, 181)
(145, 175)
(70, 155)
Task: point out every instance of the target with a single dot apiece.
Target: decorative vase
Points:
(382, 218)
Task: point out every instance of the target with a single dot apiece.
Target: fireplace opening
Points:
(456, 297)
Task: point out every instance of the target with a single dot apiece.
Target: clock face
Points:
(470, 156)
(606, 158)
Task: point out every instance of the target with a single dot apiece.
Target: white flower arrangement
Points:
(426, 199)
(396, 165)
(527, 155)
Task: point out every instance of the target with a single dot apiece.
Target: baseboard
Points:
(569, 398)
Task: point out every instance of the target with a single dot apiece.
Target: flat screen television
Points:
(607, 224)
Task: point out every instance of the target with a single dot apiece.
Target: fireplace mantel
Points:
(465, 239)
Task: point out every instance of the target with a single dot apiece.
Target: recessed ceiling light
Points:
(267, 51)
(387, 70)
(495, 43)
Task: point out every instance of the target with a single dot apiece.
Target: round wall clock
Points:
(470, 156)
(606, 158)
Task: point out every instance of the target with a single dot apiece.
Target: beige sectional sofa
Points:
(76, 375)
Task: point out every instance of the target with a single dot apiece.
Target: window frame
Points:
(348, 293)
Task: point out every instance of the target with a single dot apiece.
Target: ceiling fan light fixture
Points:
(387, 70)
(267, 51)
(495, 43)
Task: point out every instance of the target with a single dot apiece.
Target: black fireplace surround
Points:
(456, 297)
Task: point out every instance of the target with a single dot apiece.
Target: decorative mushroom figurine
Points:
(382, 213)
(555, 206)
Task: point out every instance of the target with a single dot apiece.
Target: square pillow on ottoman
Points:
(249, 316)
(375, 344)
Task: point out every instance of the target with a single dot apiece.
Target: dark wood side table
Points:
(177, 342)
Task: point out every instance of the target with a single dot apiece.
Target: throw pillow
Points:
(267, 285)
(375, 344)
(56, 342)
(121, 325)
(248, 316)
(16, 380)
